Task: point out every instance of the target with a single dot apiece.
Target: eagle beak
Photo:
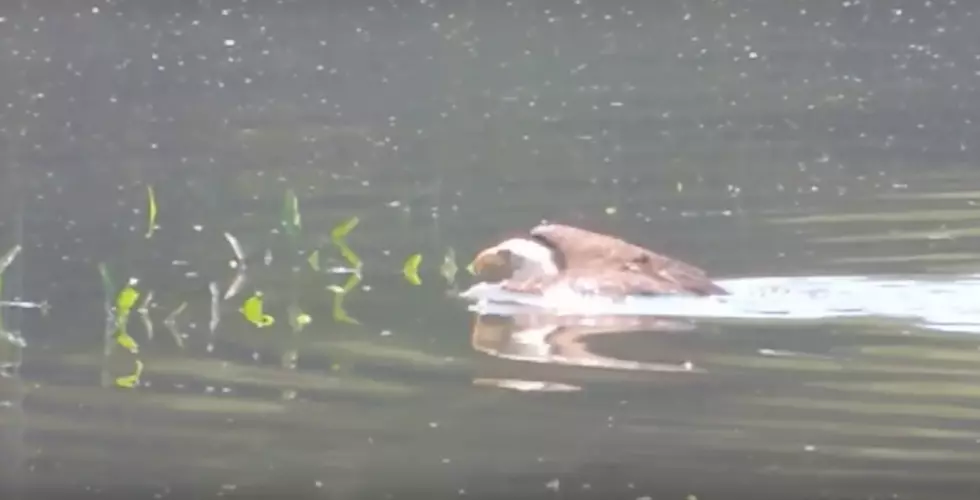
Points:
(487, 260)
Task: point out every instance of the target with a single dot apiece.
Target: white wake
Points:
(947, 303)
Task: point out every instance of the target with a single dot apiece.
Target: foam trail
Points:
(950, 304)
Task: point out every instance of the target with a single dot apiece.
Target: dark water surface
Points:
(753, 138)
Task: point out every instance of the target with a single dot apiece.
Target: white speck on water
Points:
(229, 42)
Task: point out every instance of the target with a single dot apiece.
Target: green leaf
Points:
(343, 229)
(127, 298)
(131, 381)
(337, 237)
(252, 309)
(127, 342)
(411, 269)
(339, 313)
(349, 255)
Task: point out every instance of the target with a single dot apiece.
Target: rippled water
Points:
(818, 158)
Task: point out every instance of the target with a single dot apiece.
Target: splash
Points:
(946, 303)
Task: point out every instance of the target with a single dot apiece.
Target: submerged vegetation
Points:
(133, 296)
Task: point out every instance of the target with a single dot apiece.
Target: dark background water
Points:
(752, 138)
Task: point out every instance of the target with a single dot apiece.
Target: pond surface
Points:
(757, 139)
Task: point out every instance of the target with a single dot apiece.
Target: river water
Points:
(820, 157)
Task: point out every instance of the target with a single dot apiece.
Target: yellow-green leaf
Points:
(127, 298)
(127, 342)
(339, 313)
(252, 309)
(349, 255)
(344, 228)
(151, 201)
(131, 381)
(411, 269)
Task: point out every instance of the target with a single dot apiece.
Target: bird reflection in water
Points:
(563, 340)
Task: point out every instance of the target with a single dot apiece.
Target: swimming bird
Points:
(552, 256)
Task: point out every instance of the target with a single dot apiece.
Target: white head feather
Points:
(529, 257)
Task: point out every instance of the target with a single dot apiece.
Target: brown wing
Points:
(608, 282)
(581, 248)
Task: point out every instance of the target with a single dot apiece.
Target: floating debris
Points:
(151, 201)
(411, 269)
(236, 247)
(9, 257)
(215, 306)
(236, 284)
(44, 306)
